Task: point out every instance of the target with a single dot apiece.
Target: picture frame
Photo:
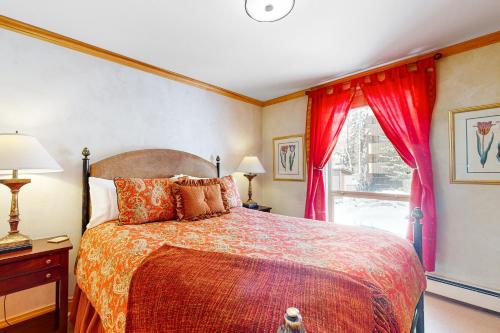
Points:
(289, 162)
(475, 145)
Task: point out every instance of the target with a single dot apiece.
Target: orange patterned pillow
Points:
(144, 200)
(233, 196)
(198, 199)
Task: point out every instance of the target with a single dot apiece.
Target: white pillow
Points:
(104, 201)
(177, 177)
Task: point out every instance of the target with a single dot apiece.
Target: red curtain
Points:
(329, 107)
(402, 102)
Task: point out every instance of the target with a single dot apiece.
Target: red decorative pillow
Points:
(144, 200)
(233, 196)
(198, 199)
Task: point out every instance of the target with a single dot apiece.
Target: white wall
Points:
(69, 100)
(286, 197)
(468, 235)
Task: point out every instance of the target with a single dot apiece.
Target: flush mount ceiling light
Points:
(268, 10)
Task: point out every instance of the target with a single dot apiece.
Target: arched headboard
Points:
(147, 163)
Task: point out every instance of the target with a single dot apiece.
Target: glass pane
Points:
(387, 215)
(365, 160)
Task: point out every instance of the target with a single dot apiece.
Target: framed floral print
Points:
(475, 145)
(288, 158)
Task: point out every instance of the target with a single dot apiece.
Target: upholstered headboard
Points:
(148, 163)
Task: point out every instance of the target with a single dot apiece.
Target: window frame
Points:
(372, 195)
(357, 194)
(359, 101)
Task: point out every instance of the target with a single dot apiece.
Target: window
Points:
(368, 182)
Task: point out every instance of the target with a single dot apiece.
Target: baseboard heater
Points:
(481, 297)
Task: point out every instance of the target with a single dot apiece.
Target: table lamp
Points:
(251, 166)
(21, 153)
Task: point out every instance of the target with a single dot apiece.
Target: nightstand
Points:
(262, 208)
(45, 263)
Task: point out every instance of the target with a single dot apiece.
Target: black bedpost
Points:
(217, 164)
(419, 325)
(417, 232)
(85, 188)
(417, 244)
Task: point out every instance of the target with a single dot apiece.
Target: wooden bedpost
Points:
(217, 164)
(85, 188)
(418, 321)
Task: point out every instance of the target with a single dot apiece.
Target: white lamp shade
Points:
(268, 10)
(251, 164)
(25, 154)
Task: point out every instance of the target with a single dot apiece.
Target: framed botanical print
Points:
(475, 145)
(288, 158)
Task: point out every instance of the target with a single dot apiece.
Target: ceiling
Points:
(216, 42)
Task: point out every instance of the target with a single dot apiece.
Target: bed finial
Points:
(417, 214)
(86, 153)
(217, 165)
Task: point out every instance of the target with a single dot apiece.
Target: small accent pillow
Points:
(145, 200)
(233, 196)
(103, 200)
(198, 199)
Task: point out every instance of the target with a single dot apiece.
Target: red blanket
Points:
(182, 290)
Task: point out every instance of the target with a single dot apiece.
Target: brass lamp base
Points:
(15, 242)
(250, 203)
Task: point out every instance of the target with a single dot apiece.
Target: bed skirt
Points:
(83, 316)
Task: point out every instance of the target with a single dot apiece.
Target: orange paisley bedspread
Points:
(110, 254)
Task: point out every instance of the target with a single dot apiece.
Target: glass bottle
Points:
(293, 322)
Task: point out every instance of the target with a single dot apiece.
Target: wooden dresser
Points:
(45, 263)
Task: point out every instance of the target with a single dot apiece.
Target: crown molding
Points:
(444, 52)
(70, 43)
(64, 41)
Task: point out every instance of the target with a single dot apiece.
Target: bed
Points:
(238, 272)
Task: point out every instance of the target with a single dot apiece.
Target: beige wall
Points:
(69, 100)
(468, 234)
(286, 197)
(468, 238)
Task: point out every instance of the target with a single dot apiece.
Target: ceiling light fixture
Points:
(268, 10)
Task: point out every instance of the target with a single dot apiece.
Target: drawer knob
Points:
(48, 275)
(48, 261)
